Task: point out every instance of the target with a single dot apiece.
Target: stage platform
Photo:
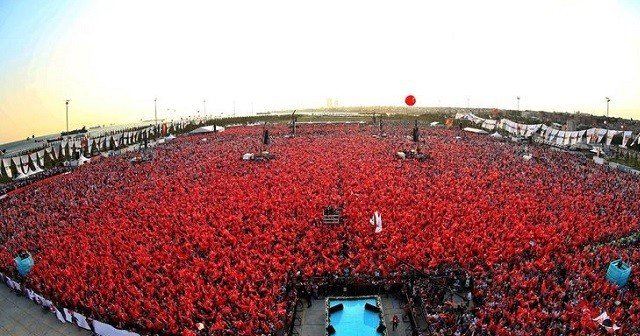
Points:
(313, 319)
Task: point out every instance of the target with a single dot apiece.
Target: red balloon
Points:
(410, 100)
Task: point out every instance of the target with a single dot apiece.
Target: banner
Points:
(25, 163)
(626, 137)
(532, 129)
(34, 158)
(560, 138)
(49, 150)
(601, 134)
(41, 157)
(591, 135)
(81, 321)
(7, 167)
(116, 139)
(57, 151)
(543, 130)
(18, 164)
(610, 135)
(581, 135)
(489, 124)
(107, 330)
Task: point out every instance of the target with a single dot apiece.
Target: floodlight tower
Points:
(518, 98)
(608, 100)
(155, 115)
(66, 103)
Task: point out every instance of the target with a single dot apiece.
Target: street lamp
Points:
(155, 110)
(155, 114)
(67, 109)
(608, 100)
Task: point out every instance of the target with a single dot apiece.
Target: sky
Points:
(113, 58)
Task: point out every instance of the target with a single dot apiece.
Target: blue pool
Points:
(354, 320)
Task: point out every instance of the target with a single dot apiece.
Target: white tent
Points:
(475, 130)
(82, 160)
(79, 162)
(206, 129)
(496, 135)
(169, 138)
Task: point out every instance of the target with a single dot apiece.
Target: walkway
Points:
(20, 316)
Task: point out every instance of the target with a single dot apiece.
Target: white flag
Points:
(604, 320)
(376, 220)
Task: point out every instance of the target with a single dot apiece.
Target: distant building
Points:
(331, 103)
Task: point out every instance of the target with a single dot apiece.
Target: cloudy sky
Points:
(112, 58)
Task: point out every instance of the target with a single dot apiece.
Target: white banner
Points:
(49, 150)
(17, 163)
(81, 321)
(567, 138)
(67, 315)
(489, 124)
(591, 135)
(34, 158)
(581, 135)
(626, 137)
(7, 167)
(560, 138)
(601, 133)
(543, 130)
(610, 135)
(25, 163)
(40, 155)
(107, 330)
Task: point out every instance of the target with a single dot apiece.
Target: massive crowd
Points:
(201, 236)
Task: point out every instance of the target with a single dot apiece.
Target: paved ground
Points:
(20, 316)
(313, 319)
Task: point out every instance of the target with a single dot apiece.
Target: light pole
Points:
(155, 114)
(204, 103)
(67, 109)
(608, 100)
(518, 98)
(234, 108)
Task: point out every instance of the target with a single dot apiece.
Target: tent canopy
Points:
(475, 130)
(206, 129)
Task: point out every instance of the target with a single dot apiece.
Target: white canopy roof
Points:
(474, 130)
(206, 129)
(495, 135)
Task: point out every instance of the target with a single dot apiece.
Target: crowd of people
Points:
(16, 184)
(200, 239)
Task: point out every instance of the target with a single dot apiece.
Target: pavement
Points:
(20, 316)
